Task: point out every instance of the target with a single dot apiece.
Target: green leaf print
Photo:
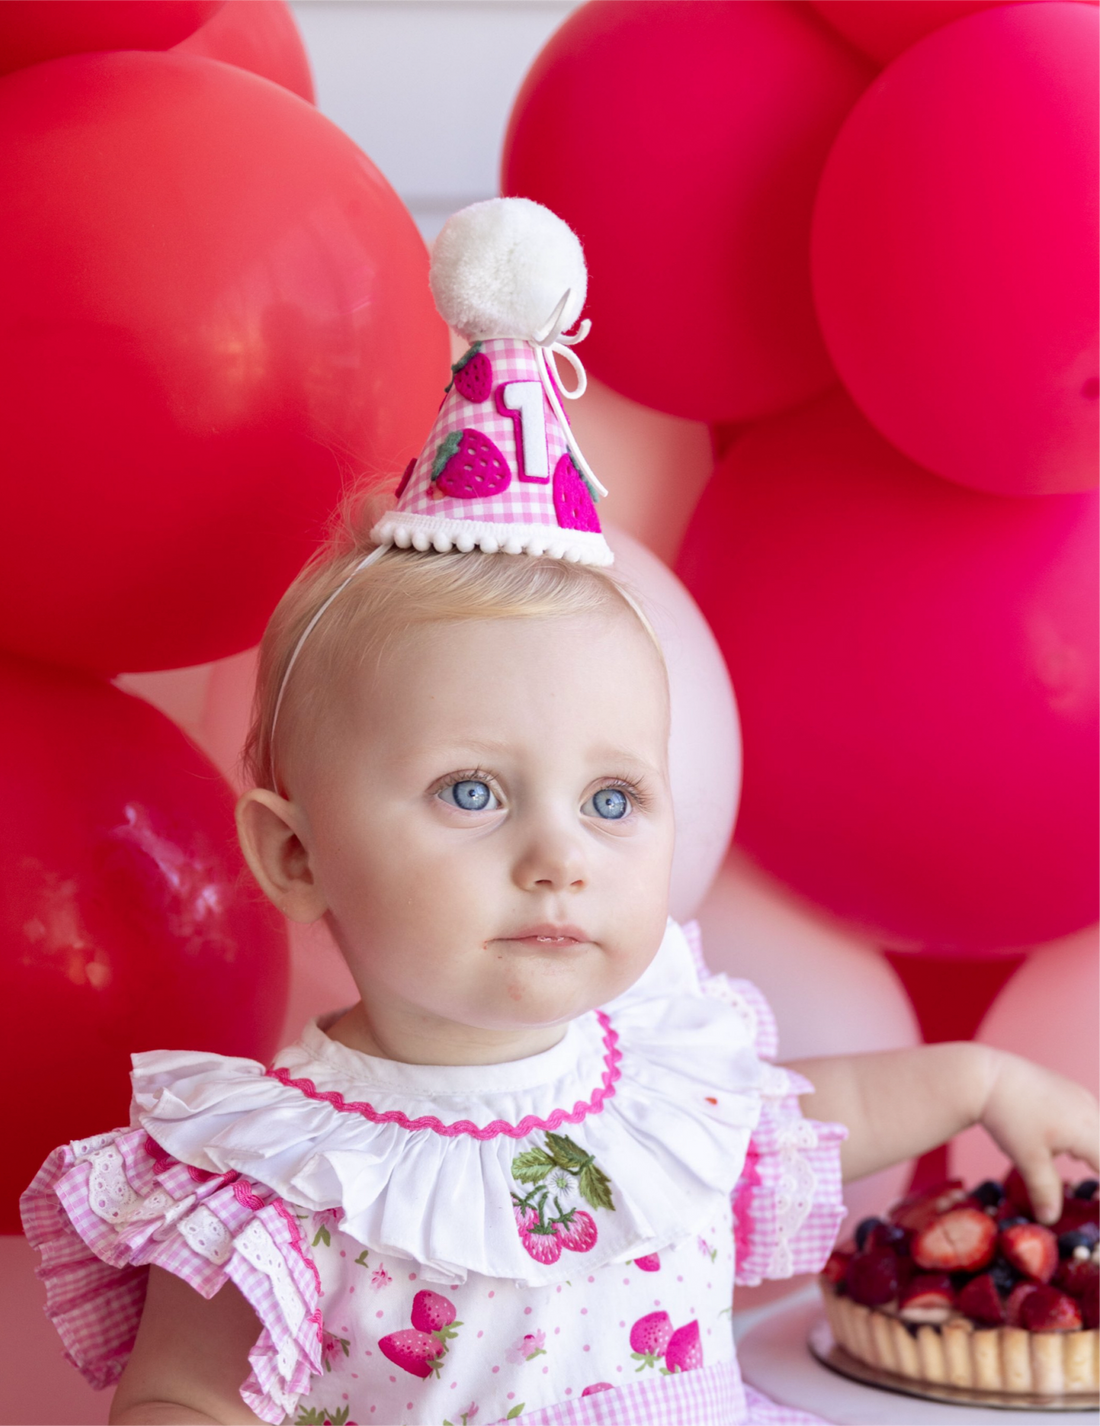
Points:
(595, 1187)
(361, 1260)
(567, 1154)
(515, 1411)
(321, 1416)
(322, 1236)
(532, 1166)
(447, 448)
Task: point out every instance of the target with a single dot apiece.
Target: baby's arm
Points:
(189, 1360)
(901, 1103)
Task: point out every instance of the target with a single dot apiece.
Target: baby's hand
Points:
(1033, 1114)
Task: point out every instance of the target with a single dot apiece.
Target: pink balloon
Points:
(954, 250)
(883, 28)
(831, 993)
(684, 143)
(916, 669)
(705, 741)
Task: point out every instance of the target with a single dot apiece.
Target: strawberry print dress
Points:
(554, 1240)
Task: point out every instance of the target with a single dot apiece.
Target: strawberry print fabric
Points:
(553, 1240)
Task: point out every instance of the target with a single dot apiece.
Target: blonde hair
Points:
(400, 590)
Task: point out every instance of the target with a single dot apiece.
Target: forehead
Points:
(597, 678)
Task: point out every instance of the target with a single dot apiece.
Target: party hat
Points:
(501, 470)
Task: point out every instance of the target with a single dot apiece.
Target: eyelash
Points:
(638, 797)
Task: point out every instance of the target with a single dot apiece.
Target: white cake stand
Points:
(775, 1358)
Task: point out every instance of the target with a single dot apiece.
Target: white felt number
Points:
(525, 398)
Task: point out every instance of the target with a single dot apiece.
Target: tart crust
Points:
(960, 1353)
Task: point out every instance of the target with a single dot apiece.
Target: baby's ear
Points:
(276, 854)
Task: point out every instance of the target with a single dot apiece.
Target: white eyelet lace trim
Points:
(110, 1196)
(794, 1194)
(207, 1235)
(256, 1247)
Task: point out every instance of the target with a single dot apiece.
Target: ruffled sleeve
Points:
(101, 1210)
(788, 1202)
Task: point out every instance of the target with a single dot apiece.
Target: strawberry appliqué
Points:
(420, 1349)
(473, 374)
(468, 466)
(558, 1170)
(573, 503)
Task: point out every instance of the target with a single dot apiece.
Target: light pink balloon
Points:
(883, 28)
(831, 992)
(954, 250)
(917, 674)
(1048, 1012)
(705, 741)
(654, 465)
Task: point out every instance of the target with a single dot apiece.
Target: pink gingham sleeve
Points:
(788, 1202)
(102, 1210)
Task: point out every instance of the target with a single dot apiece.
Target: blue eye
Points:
(470, 795)
(611, 804)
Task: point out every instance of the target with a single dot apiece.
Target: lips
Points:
(550, 935)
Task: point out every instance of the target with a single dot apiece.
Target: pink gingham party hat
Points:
(501, 470)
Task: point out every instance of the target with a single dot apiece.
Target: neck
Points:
(415, 1038)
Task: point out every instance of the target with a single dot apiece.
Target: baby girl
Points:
(518, 1178)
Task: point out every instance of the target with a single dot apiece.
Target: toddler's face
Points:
(487, 819)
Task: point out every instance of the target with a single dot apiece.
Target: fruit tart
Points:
(966, 1290)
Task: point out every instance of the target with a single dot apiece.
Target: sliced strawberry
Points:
(1048, 1310)
(918, 1209)
(836, 1266)
(960, 1240)
(981, 1301)
(650, 1263)
(1078, 1276)
(872, 1277)
(928, 1297)
(1031, 1249)
(1015, 1300)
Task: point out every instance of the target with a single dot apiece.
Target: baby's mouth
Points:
(550, 937)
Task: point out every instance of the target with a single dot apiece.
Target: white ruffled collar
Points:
(621, 1139)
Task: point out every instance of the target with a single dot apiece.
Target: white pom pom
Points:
(500, 268)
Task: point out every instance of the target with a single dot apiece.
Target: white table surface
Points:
(775, 1359)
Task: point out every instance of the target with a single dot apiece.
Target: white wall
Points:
(425, 87)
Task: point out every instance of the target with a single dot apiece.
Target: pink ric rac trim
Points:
(527, 1125)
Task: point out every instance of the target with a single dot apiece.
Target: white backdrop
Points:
(424, 87)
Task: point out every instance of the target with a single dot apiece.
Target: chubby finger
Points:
(1044, 1185)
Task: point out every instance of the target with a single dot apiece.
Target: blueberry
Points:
(1091, 1232)
(1012, 1222)
(1068, 1241)
(989, 1193)
(889, 1235)
(1004, 1275)
(1087, 1188)
(863, 1231)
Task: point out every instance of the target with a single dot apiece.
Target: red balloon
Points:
(213, 311)
(127, 921)
(954, 250)
(32, 31)
(883, 28)
(257, 35)
(916, 670)
(683, 142)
